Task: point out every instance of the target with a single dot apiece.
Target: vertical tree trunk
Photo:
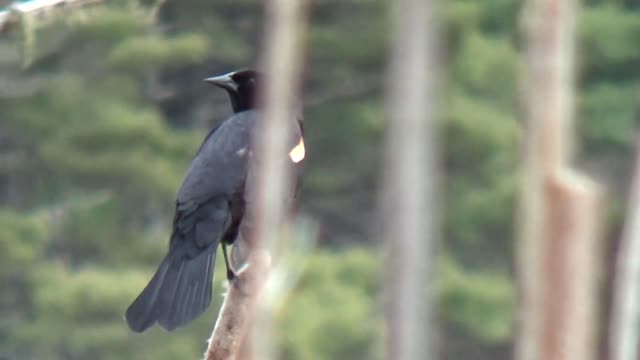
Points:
(285, 29)
(409, 204)
(625, 313)
(282, 62)
(557, 254)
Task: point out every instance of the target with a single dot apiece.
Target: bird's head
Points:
(242, 86)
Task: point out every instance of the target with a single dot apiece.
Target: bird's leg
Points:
(230, 274)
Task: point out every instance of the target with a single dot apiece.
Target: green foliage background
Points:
(102, 109)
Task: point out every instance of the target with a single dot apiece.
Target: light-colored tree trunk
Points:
(409, 204)
(243, 327)
(625, 315)
(557, 254)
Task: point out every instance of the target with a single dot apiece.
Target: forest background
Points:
(102, 108)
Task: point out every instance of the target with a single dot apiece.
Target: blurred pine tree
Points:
(102, 109)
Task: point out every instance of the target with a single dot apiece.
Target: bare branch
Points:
(237, 310)
(35, 8)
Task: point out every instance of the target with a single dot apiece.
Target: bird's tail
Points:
(178, 292)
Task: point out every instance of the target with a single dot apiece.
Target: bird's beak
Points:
(224, 81)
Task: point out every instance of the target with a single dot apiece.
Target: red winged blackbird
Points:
(210, 209)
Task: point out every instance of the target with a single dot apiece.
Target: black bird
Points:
(210, 209)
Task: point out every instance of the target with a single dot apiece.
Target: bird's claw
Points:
(230, 275)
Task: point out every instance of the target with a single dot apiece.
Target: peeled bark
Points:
(558, 264)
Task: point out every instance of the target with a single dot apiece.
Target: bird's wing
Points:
(220, 166)
(216, 173)
(181, 288)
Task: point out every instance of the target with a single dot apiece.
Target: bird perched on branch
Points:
(211, 209)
